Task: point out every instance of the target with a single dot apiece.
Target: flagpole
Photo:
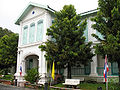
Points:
(107, 84)
(107, 78)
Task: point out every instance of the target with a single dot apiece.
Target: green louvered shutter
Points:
(39, 35)
(52, 39)
(86, 33)
(99, 34)
(114, 68)
(32, 33)
(25, 30)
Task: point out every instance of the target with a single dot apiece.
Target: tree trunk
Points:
(69, 71)
(119, 71)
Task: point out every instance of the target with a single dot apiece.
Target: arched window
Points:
(39, 34)
(25, 30)
(32, 33)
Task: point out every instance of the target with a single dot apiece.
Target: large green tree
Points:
(4, 32)
(8, 50)
(107, 22)
(67, 45)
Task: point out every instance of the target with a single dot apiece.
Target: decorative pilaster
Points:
(94, 66)
(42, 68)
(23, 67)
(18, 63)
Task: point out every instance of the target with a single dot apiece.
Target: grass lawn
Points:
(91, 86)
(87, 86)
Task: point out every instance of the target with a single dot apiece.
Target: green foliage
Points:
(107, 22)
(8, 50)
(67, 45)
(8, 77)
(112, 85)
(4, 32)
(32, 75)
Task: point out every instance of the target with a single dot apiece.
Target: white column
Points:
(94, 66)
(42, 68)
(40, 63)
(23, 67)
(18, 60)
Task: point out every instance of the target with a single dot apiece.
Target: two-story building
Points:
(34, 21)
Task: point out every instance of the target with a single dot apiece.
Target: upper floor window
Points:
(32, 33)
(39, 34)
(25, 30)
(53, 21)
(86, 33)
(99, 35)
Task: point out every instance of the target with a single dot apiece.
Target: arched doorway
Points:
(31, 62)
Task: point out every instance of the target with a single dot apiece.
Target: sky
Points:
(11, 9)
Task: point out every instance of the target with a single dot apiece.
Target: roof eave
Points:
(29, 6)
(88, 13)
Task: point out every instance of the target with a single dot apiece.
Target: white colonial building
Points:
(34, 21)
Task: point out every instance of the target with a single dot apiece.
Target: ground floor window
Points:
(113, 69)
(30, 66)
(83, 70)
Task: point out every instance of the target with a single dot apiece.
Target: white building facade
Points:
(34, 21)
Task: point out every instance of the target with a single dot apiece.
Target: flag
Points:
(106, 69)
(53, 71)
(20, 70)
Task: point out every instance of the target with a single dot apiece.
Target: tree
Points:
(4, 32)
(107, 22)
(67, 45)
(8, 50)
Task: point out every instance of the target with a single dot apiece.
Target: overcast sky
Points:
(11, 9)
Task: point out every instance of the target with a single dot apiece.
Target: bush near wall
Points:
(32, 75)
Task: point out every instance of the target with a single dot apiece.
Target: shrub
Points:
(8, 77)
(32, 75)
(113, 84)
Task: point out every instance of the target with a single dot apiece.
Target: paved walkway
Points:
(10, 87)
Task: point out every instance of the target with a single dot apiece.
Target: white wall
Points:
(32, 49)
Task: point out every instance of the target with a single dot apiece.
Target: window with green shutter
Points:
(32, 33)
(25, 30)
(86, 33)
(39, 34)
(99, 35)
(53, 39)
(114, 68)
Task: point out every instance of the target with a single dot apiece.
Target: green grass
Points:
(86, 86)
(91, 86)
(59, 85)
